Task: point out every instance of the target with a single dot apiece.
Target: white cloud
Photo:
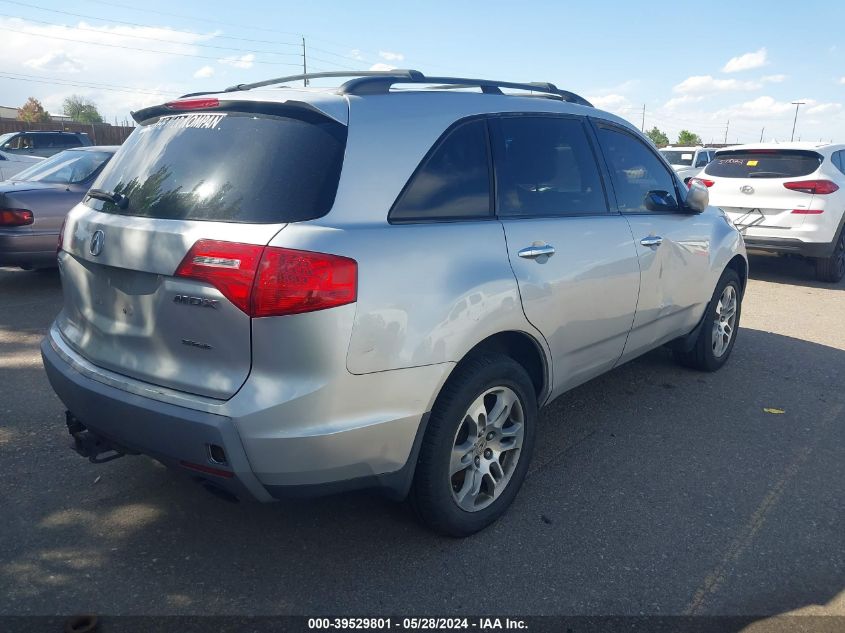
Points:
(842, 80)
(390, 56)
(356, 54)
(773, 79)
(674, 102)
(609, 102)
(239, 61)
(706, 84)
(204, 73)
(824, 108)
(56, 61)
(381, 66)
(748, 61)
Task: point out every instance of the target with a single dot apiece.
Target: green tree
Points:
(685, 137)
(81, 110)
(658, 137)
(33, 112)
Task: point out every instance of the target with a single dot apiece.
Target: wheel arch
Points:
(523, 348)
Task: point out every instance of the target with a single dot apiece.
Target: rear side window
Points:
(227, 167)
(678, 157)
(702, 160)
(545, 166)
(634, 169)
(453, 181)
(839, 160)
(764, 164)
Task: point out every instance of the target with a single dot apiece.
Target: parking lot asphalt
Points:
(654, 490)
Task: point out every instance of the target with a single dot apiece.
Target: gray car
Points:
(287, 291)
(34, 203)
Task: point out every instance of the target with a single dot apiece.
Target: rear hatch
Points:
(229, 172)
(750, 185)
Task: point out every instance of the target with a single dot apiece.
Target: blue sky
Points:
(692, 66)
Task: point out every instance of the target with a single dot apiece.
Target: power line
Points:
(80, 84)
(134, 48)
(152, 39)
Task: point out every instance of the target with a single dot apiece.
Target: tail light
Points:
(807, 211)
(270, 281)
(702, 181)
(16, 217)
(812, 186)
(61, 241)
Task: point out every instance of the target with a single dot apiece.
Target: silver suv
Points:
(287, 291)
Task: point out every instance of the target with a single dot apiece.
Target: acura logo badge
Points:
(747, 189)
(97, 239)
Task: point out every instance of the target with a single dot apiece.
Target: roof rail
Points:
(368, 82)
(398, 73)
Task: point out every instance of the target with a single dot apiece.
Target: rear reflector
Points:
(812, 186)
(702, 181)
(15, 217)
(192, 104)
(807, 211)
(208, 470)
(270, 281)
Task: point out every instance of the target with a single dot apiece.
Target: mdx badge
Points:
(96, 246)
(196, 301)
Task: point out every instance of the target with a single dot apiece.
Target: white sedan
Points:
(11, 164)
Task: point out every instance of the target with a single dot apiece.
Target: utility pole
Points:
(797, 104)
(727, 125)
(304, 64)
(642, 127)
(761, 134)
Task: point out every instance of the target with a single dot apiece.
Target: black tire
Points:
(702, 355)
(832, 269)
(432, 493)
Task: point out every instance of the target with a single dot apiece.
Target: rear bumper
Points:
(268, 452)
(169, 433)
(27, 249)
(789, 245)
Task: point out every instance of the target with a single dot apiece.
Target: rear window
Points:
(674, 157)
(68, 167)
(228, 167)
(764, 164)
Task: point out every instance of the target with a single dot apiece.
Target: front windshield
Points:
(68, 167)
(676, 157)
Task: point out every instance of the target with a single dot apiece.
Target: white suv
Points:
(786, 198)
(687, 161)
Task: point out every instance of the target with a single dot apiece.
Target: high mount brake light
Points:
(270, 281)
(192, 104)
(820, 187)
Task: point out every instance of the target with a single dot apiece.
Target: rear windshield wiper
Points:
(117, 199)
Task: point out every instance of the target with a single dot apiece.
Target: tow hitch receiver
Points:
(89, 444)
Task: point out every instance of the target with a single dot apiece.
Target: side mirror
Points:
(657, 200)
(698, 197)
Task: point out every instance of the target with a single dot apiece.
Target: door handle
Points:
(652, 240)
(536, 250)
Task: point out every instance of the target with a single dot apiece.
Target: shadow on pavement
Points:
(788, 270)
(653, 489)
